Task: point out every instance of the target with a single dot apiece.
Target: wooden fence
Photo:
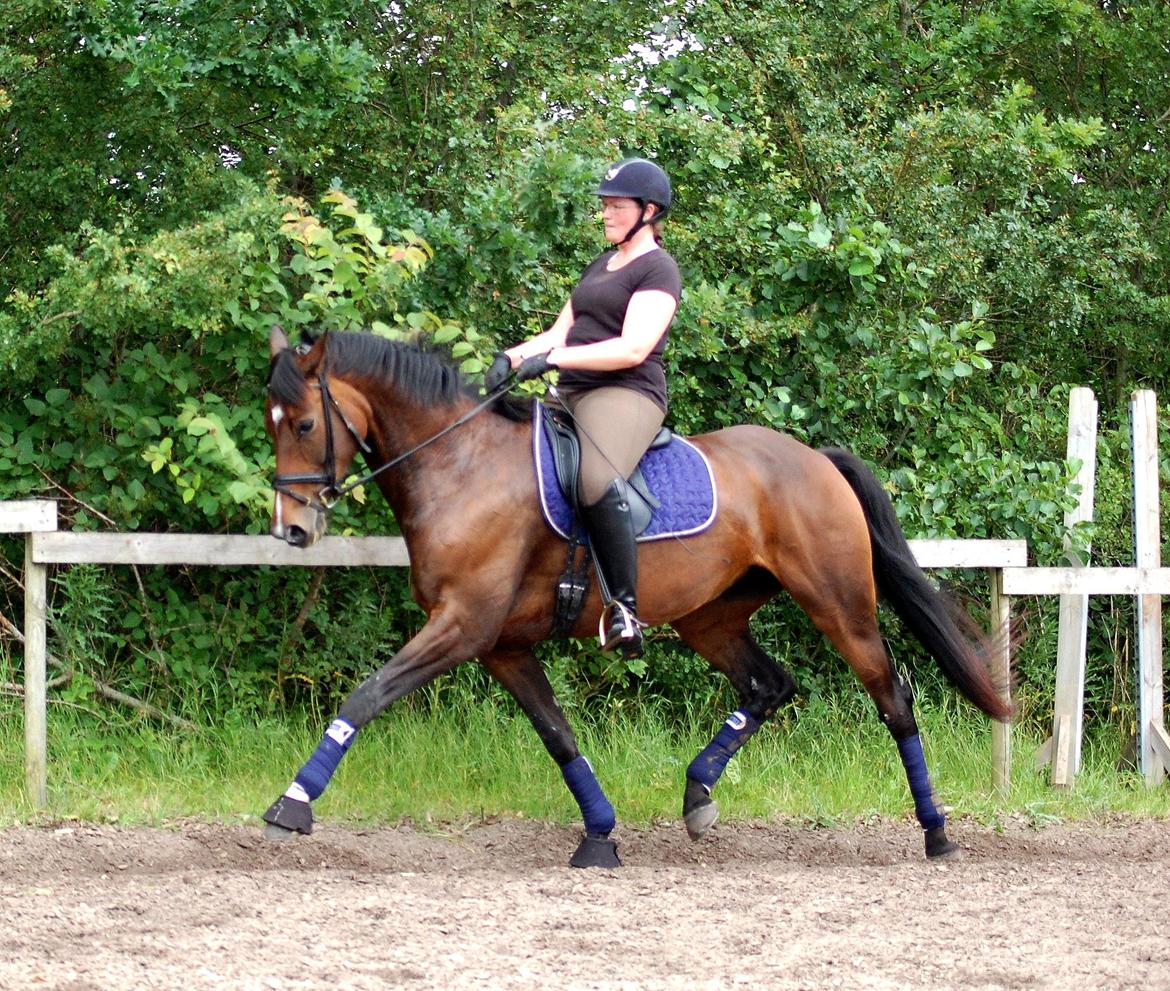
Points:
(46, 546)
(1146, 580)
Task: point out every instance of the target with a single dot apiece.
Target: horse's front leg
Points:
(521, 674)
(719, 633)
(440, 645)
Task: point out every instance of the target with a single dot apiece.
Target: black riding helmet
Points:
(641, 180)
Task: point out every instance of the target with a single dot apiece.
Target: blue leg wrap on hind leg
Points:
(596, 810)
(312, 779)
(914, 761)
(712, 760)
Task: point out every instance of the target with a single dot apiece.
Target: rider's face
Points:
(618, 214)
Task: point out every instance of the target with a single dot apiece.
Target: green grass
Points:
(830, 764)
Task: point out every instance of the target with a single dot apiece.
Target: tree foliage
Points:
(906, 228)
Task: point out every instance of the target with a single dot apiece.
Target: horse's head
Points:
(317, 424)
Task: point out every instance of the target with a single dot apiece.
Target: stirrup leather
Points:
(631, 628)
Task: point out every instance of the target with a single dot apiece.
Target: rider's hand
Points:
(534, 367)
(497, 374)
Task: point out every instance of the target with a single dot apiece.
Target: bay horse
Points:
(815, 524)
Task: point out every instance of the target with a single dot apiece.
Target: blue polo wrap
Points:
(596, 810)
(914, 761)
(712, 760)
(314, 777)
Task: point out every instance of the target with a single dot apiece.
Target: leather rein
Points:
(331, 493)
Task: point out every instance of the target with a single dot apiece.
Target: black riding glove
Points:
(534, 367)
(498, 373)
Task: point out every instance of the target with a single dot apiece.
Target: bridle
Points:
(331, 493)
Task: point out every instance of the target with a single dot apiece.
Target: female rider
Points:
(607, 343)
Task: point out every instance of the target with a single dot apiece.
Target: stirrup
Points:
(627, 636)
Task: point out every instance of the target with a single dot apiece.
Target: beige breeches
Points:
(616, 426)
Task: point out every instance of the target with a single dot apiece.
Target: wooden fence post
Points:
(29, 517)
(36, 742)
(1001, 733)
(1147, 536)
(1068, 704)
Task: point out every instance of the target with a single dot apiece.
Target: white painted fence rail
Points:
(46, 546)
(215, 549)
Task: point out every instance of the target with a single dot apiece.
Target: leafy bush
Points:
(904, 229)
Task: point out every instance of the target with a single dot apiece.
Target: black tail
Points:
(951, 638)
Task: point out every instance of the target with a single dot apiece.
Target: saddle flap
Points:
(672, 493)
(567, 460)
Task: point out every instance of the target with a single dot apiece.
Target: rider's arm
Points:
(554, 337)
(647, 316)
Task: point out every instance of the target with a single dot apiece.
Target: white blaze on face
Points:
(278, 529)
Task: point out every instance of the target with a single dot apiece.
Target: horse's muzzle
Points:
(298, 535)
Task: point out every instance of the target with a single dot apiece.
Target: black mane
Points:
(427, 375)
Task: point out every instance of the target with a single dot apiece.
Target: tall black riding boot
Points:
(611, 534)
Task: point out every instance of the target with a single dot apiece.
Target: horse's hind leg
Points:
(719, 632)
(891, 694)
(520, 673)
(844, 610)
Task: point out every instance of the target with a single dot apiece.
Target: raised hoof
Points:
(288, 815)
(595, 851)
(701, 818)
(699, 812)
(938, 847)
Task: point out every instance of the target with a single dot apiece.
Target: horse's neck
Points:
(447, 470)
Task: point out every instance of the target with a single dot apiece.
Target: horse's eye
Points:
(305, 427)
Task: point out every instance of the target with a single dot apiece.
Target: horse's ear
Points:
(311, 358)
(277, 341)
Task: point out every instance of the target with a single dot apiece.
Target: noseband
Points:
(329, 493)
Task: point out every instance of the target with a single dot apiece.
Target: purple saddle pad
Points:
(677, 475)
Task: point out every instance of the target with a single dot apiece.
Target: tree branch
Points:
(298, 626)
(104, 690)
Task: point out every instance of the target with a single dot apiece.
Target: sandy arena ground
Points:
(494, 906)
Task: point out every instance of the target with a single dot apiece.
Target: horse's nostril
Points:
(297, 536)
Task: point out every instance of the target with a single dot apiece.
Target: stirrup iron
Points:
(629, 633)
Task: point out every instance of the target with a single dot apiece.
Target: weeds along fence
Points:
(45, 546)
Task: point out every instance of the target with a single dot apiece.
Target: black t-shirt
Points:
(599, 302)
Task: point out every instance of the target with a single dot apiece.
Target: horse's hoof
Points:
(278, 833)
(290, 815)
(938, 847)
(699, 812)
(700, 819)
(595, 851)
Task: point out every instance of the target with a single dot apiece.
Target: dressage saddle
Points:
(566, 447)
